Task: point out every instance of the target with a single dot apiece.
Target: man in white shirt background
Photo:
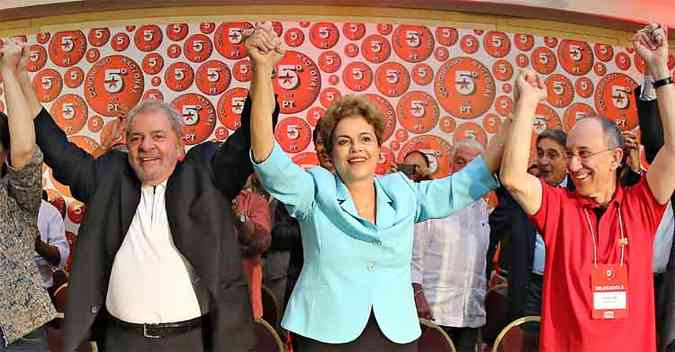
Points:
(51, 247)
(448, 264)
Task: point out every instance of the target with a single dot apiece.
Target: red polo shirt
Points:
(567, 297)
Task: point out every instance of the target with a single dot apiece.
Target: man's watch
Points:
(242, 218)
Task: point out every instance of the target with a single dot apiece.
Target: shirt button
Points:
(371, 267)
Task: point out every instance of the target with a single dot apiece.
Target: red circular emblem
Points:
(576, 57)
(465, 88)
(375, 48)
(385, 29)
(114, 132)
(95, 124)
(293, 134)
(504, 105)
(221, 133)
(242, 70)
(447, 124)
(153, 94)
(173, 51)
(179, 76)
(76, 212)
(230, 107)
(37, 59)
(304, 24)
(551, 42)
(330, 61)
(543, 60)
(401, 135)
(315, 114)
(441, 54)
(385, 161)
(93, 55)
(213, 77)
(576, 112)
(522, 60)
(70, 113)
(502, 69)
(278, 28)
(524, 42)
(294, 37)
(507, 88)
(622, 61)
(324, 35)
(387, 110)
(351, 50)
(153, 63)
(334, 79)
(306, 160)
(354, 31)
(48, 85)
(177, 31)
(130, 28)
(328, 96)
(560, 90)
(197, 48)
(413, 43)
(43, 37)
(446, 36)
(229, 39)
(422, 74)
(394, 145)
(298, 82)
(357, 76)
(392, 79)
(418, 112)
(67, 48)
(98, 36)
(148, 37)
(614, 99)
(497, 44)
(470, 130)
(584, 87)
(156, 81)
(73, 77)
(114, 85)
(120, 42)
(492, 123)
(199, 117)
(600, 69)
(603, 52)
(545, 117)
(469, 44)
(435, 148)
(207, 27)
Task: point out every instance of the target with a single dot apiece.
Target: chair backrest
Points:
(60, 278)
(267, 338)
(271, 307)
(521, 335)
(496, 309)
(60, 299)
(433, 338)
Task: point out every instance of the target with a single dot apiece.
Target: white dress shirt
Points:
(449, 258)
(52, 232)
(151, 282)
(663, 241)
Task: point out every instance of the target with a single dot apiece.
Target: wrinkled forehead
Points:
(588, 134)
(149, 121)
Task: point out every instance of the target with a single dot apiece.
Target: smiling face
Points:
(154, 147)
(356, 149)
(551, 161)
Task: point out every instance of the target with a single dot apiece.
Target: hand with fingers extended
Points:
(263, 45)
(528, 88)
(651, 43)
(11, 53)
(423, 309)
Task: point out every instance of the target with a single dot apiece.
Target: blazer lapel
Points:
(385, 212)
(345, 200)
(130, 196)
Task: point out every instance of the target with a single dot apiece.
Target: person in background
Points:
(24, 304)
(51, 246)
(416, 166)
(448, 264)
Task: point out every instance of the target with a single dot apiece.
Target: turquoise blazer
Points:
(353, 266)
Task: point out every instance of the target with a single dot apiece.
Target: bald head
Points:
(464, 152)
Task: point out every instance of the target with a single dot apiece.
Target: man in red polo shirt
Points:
(598, 291)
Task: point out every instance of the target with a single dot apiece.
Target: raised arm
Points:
(524, 188)
(651, 43)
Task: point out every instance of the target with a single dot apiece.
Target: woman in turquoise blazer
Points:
(354, 292)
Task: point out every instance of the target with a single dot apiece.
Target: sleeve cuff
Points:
(26, 170)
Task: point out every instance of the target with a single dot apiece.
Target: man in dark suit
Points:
(523, 253)
(157, 266)
(664, 278)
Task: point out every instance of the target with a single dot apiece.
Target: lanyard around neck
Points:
(623, 241)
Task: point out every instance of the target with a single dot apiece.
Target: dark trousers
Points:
(118, 339)
(371, 340)
(464, 339)
(533, 305)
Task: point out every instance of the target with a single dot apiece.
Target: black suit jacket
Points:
(511, 225)
(198, 207)
(652, 139)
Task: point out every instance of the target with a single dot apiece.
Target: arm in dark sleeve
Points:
(498, 219)
(286, 230)
(231, 163)
(70, 165)
(650, 126)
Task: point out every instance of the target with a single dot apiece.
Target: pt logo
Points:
(614, 99)
(288, 77)
(113, 80)
(464, 82)
(620, 97)
(114, 85)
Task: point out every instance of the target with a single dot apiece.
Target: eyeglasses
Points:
(584, 155)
